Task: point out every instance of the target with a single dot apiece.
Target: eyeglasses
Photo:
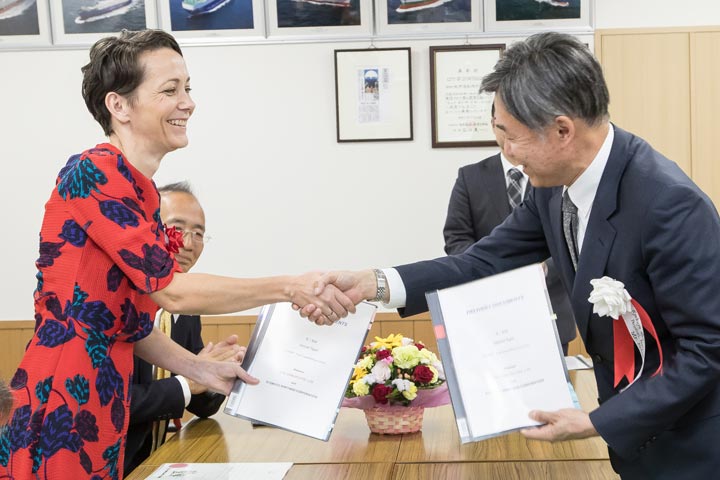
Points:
(195, 237)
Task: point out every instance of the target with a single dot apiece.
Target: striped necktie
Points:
(570, 227)
(514, 188)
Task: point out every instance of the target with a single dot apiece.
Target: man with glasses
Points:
(156, 395)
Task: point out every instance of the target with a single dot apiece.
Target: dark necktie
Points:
(570, 227)
(514, 189)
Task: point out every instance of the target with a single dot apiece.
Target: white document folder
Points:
(303, 369)
(500, 351)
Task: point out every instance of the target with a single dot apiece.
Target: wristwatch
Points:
(381, 285)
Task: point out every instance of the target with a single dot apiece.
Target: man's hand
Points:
(227, 350)
(565, 424)
(355, 286)
(329, 304)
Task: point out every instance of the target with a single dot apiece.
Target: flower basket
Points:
(394, 380)
(393, 421)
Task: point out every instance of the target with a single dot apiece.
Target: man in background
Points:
(157, 396)
(485, 193)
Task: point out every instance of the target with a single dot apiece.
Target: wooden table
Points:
(355, 453)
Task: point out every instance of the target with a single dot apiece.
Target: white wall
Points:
(281, 195)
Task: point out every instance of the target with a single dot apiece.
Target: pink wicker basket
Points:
(394, 420)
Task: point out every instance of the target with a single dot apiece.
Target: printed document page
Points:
(303, 369)
(505, 356)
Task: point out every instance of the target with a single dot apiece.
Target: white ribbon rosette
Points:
(609, 298)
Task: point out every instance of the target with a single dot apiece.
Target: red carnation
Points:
(384, 353)
(423, 374)
(419, 346)
(380, 393)
(174, 239)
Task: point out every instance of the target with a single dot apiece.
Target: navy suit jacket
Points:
(478, 204)
(163, 400)
(654, 230)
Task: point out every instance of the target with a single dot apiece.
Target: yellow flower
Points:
(358, 373)
(406, 357)
(361, 388)
(393, 340)
(411, 392)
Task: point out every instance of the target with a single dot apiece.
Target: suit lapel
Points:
(493, 180)
(600, 233)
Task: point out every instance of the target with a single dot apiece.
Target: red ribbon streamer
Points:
(625, 346)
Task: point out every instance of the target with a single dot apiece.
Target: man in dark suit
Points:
(155, 401)
(604, 203)
(480, 200)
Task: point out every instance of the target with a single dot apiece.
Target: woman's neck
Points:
(141, 158)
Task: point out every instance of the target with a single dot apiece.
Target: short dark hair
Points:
(547, 75)
(114, 67)
(177, 187)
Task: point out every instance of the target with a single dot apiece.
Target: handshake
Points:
(324, 298)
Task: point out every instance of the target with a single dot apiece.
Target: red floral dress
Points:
(102, 250)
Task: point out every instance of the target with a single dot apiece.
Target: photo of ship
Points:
(317, 13)
(103, 9)
(331, 3)
(428, 11)
(506, 10)
(203, 7)
(19, 17)
(199, 15)
(103, 16)
(13, 8)
(414, 5)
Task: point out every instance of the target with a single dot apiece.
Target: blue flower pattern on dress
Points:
(79, 178)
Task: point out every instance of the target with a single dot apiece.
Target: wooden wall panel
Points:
(14, 335)
(648, 77)
(705, 84)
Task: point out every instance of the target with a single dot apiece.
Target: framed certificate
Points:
(373, 91)
(460, 114)
(303, 369)
(500, 351)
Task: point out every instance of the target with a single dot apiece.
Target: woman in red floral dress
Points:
(106, 264)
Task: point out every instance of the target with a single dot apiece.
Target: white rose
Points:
(609, 297)
(381, 372)
(407, 341)
(401, 384)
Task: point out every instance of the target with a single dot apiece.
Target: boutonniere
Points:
(173, 239)
(609, 298)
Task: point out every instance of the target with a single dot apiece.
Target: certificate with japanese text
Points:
(500, 351)
(303, 369)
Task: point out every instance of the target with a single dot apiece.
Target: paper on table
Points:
(303, 369)
(500, 351)
(220, 471)
(578, 362)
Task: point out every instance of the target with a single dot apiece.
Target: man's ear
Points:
(118, 106)
(564, 128)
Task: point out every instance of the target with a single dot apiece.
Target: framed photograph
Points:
(397, 17)
(24, 23)
(535, 15)
(83, 22)
(313, 18)
(460, 114)
(373, 93)
(212, 21)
